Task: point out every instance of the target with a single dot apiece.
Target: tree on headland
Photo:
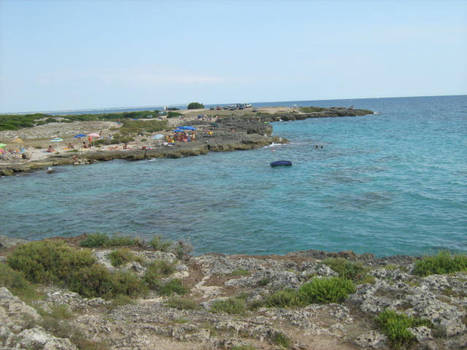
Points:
(195, 105)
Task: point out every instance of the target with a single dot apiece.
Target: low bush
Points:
(442, 263)
(283, 298)
(172, 114)
(281, 339)
(158, 269)
(171, 287)
(182, 303)
(17, 283)
(182, 250)
(157, 243)
(122, 256)
(326, 290)
(230, 306)
(100, 240)
(76, 269)
(347, 269)
(395, 326)
(49, 261)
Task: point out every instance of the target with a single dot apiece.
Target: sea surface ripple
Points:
(391, 183)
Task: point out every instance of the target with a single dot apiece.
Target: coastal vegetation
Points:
(442, 263)
(19, 121)
(347, 269)
(195, 105)
(101, 240)
(55, 262)
(396, 327)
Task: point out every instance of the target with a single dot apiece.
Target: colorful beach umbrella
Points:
(94, 134)
(2, 145)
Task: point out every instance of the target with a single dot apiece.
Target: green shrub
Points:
(157, 243)
(182, 303)
(195, 105)
(172, 114)
(442, 263)
(158, 269)
(395, 326)
(230, 306)
(182, 250)
(326, 290)
(281, 339)
(49, 261)
(122, 256)
(347, 269)
(100, 240)
(16, 283)
(56, 262)
(283, 298)
(174, 286)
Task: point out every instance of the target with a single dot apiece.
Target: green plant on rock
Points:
(157, 243)
(58, 263)
(122, 256)
(281, 339)
(49, 261)
(283, 298)
(158, 269)
(230, 306)
(395, 327)
(240, 272)
(17, 283)
(347, 269)
(182, 303)
(101, 240)
(442, 263)
(326, 290)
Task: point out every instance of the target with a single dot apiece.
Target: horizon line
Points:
(213, 104)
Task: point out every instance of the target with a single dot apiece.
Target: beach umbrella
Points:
(79, 136)
(191, 128)
(57, 139)
(94, 134)
(158, 137)
(2, 145)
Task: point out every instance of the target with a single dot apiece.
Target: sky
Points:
(83, 54)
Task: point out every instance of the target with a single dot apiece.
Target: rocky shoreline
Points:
(232, 133)
(243, 302)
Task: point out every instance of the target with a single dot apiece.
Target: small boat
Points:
(50, 170)
(281, 163)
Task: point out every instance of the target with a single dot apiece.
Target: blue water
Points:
(392, 183)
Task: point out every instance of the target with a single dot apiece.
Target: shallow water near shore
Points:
(391, 183)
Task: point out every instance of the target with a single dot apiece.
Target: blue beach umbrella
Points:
(79, 136)
(158, 137)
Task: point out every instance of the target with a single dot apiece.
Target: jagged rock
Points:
(421, 333)
(8, 242)
(14, 313)
(371, 340)
(38, 338)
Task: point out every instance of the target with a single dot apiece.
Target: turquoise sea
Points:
(391, 183)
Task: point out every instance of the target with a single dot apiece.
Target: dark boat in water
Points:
(281, 163)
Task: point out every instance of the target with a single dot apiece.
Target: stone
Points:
(371, 340)
(9, 242)
(38, 338)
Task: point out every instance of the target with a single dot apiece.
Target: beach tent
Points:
(158, 137)
(57, 139)
(79, 136)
